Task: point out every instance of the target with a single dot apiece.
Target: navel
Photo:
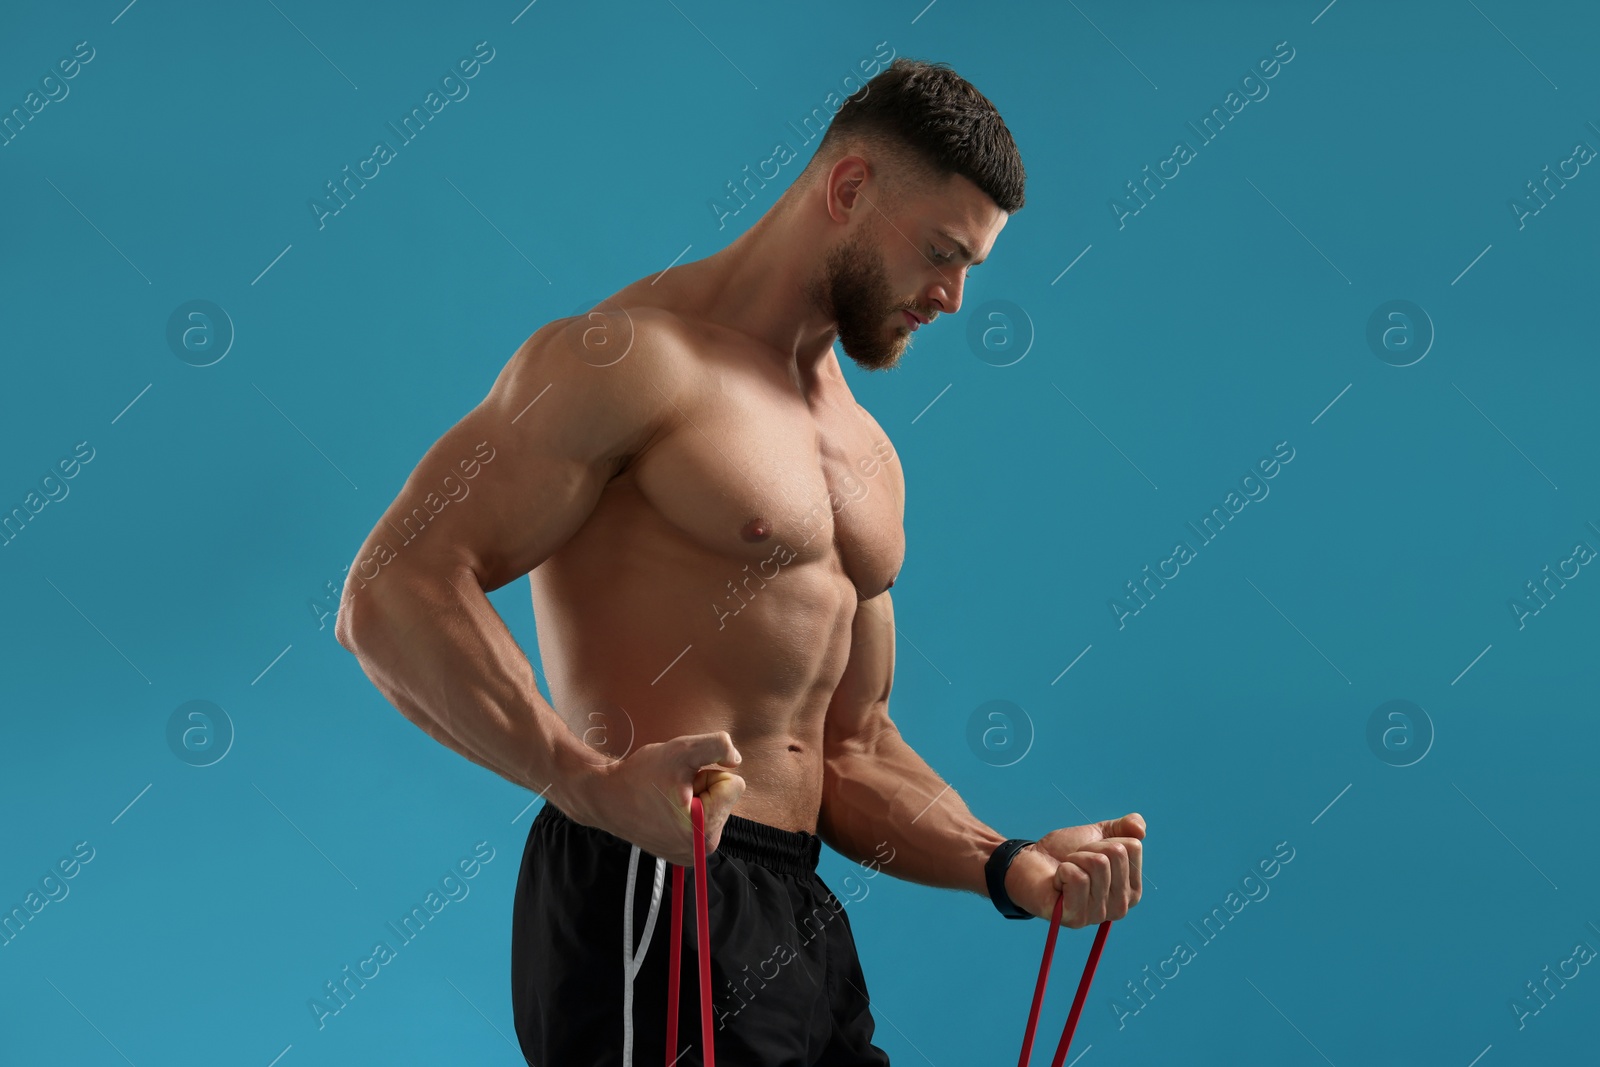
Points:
(757, 529)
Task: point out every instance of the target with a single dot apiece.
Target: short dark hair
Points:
(928, 120)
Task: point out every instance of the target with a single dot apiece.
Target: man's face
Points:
(893, 275)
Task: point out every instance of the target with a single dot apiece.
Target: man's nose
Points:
(946, 294)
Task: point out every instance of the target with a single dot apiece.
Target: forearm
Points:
(441, 654)
(881, 794)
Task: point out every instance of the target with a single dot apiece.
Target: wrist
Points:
(1028, 866)
(999, 881)
(982, 851)
(578, 784)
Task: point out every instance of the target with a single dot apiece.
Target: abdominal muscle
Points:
(642, 641)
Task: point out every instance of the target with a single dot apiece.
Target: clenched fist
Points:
(1096, 869)
(644, 798)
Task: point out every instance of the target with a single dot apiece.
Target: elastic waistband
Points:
(788, 851)
(794, 852)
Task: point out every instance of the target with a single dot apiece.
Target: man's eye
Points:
(940, 255)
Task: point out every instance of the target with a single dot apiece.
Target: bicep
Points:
(858, 713)
(514, 479)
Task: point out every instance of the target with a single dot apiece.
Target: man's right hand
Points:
(644, 798)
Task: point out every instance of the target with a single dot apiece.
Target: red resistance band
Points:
(1077, 1002)
(703, 937)
(697, 815)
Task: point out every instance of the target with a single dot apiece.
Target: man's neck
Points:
(758, 286)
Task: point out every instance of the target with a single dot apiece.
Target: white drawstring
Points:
(631, 963)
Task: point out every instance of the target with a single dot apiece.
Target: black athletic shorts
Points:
(590, 949)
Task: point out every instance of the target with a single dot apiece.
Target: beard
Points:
(853, 290)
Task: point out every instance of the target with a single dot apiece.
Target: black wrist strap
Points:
(994, 873)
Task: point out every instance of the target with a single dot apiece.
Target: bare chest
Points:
(754, 473)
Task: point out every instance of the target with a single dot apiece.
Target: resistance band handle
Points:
(1077, 1002)
(697, 816)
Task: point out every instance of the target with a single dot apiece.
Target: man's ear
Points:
(845, 179)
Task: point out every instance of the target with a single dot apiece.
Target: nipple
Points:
(756, 530)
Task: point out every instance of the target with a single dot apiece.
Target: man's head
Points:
(917, 175)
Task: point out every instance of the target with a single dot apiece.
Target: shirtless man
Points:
(711, 525)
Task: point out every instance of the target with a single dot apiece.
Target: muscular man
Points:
(711, 525)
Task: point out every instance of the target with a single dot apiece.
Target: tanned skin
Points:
(711, 525)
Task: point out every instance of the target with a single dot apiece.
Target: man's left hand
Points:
(1096, 868)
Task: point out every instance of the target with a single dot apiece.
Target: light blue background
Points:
(1223, 318)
